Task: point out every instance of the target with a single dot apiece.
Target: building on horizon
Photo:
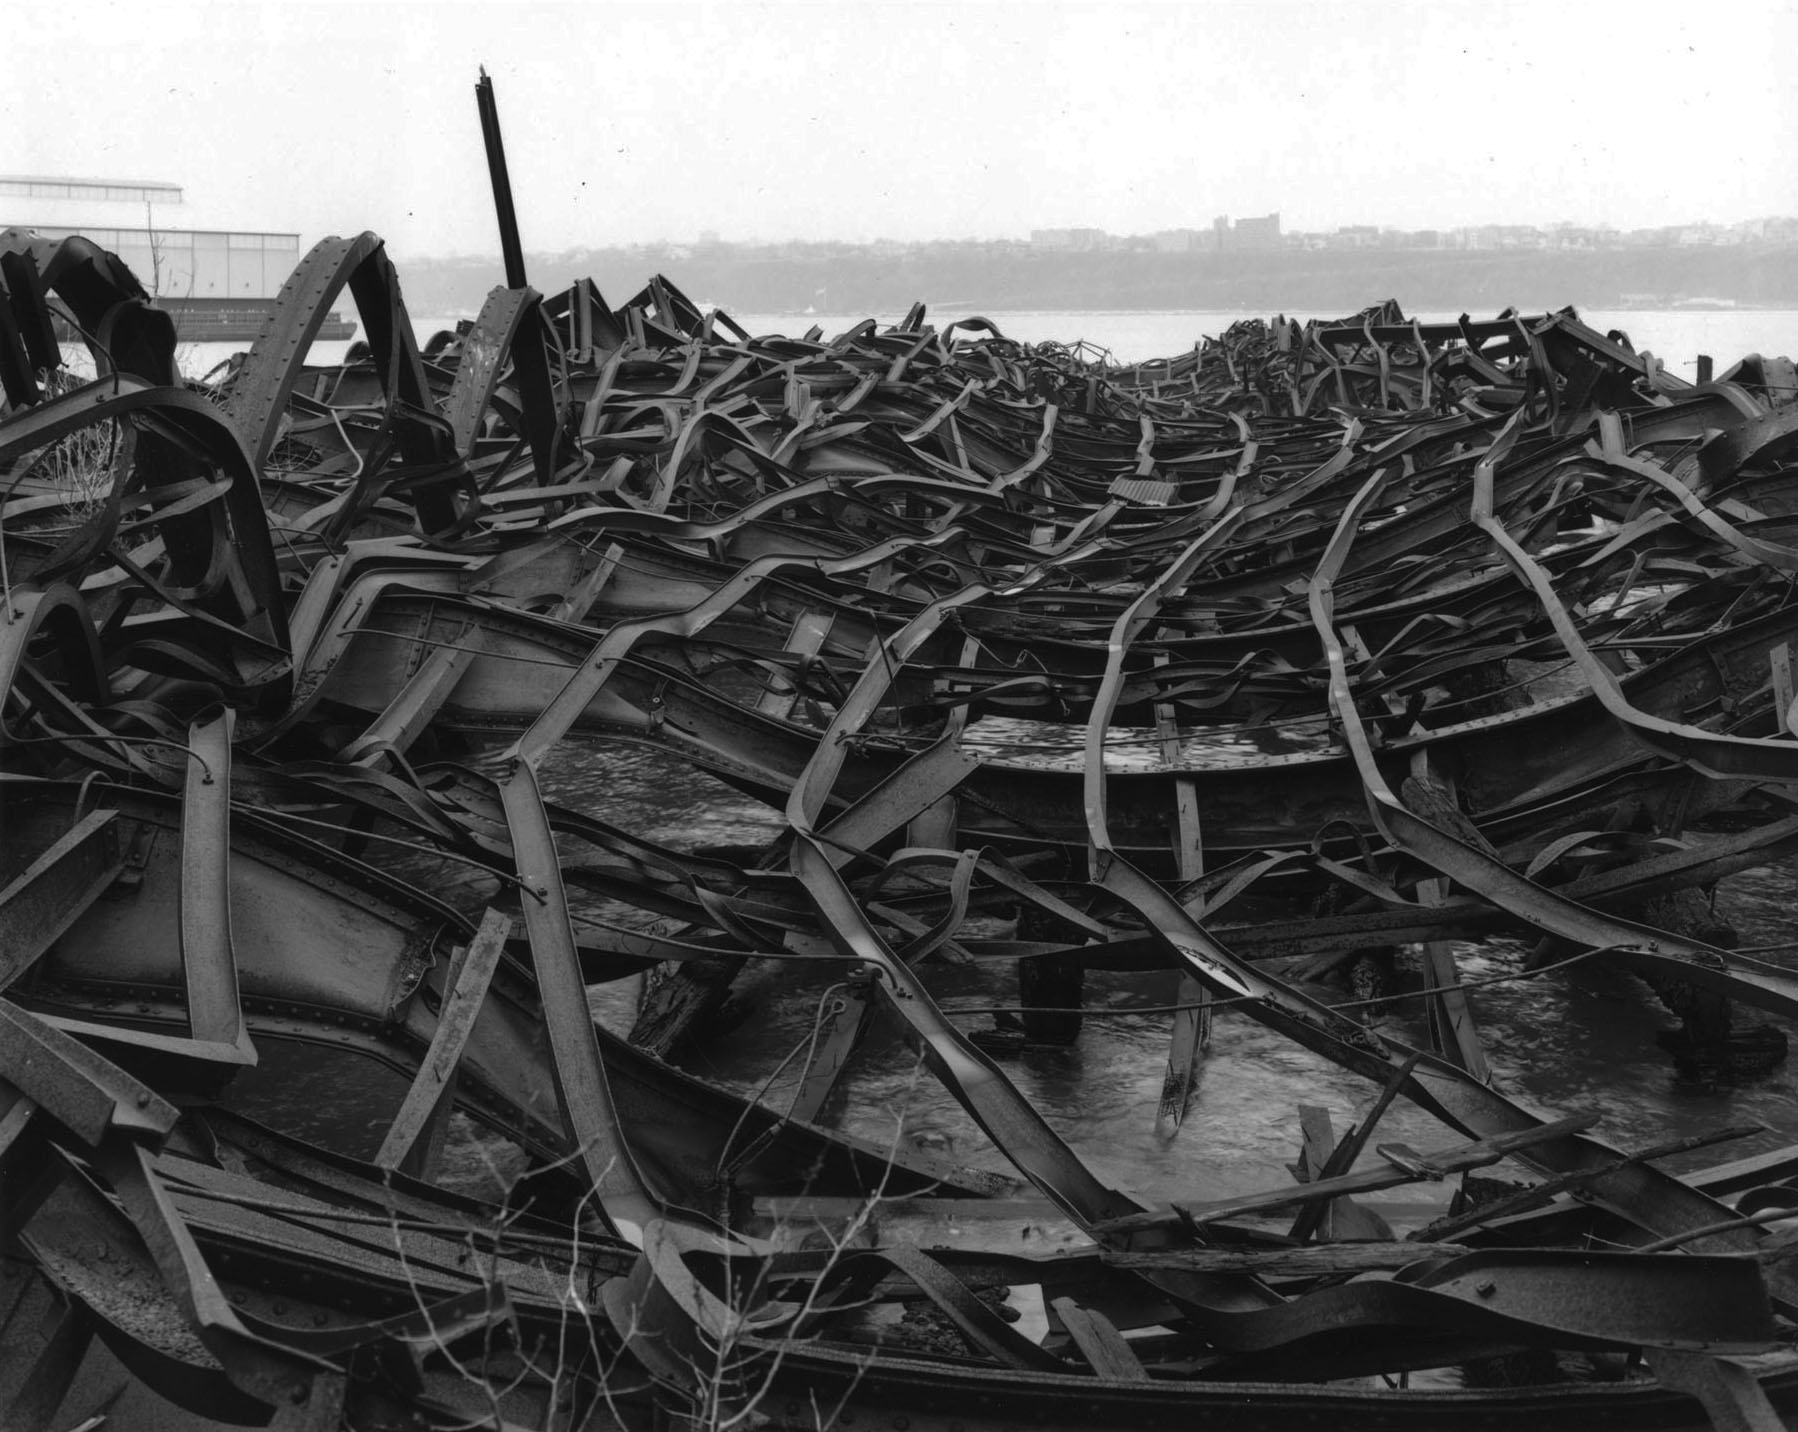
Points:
(1261, 233)
(1179, 241)
(1074, 241)
(218, 283)
(1245, 234)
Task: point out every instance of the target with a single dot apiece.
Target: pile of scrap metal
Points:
(1416, 632)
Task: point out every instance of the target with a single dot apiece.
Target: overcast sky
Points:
(637, 122)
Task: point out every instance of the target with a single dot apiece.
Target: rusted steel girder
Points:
(304, 658)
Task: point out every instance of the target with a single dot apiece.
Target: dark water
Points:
(1677, 336)
(1575, 1041)
(1580, 1040)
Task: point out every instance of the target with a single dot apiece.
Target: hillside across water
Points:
(1004, 276)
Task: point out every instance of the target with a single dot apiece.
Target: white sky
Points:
(862, 119)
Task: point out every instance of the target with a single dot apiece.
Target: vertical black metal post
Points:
(502, 184)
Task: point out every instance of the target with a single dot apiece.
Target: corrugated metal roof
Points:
(86, 180)
(1145, 490)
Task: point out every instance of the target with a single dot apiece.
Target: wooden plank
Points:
(1317, 1144)
(1343, 1217)
(1418, 1167)
(1312, 1260)
(1101, 1344)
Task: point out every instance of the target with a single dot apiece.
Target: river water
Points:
(1580, 1040)
(1676, 336)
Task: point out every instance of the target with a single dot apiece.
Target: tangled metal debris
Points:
(1485, 627)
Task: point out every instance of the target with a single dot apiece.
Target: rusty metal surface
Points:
(278, 687)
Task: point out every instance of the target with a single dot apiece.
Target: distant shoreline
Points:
(987, 279)
(975, 310)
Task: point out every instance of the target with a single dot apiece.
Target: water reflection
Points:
(1576, 1040)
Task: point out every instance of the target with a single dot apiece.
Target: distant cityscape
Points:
(1248, 263)
(1264, 233)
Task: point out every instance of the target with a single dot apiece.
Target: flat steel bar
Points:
(1192, 1021)
(587, 1106)
(419, 700)
(912, 789)
(416, 1133)
(804, 640)
(1732, 1396)
(976, 1082)
(83, 1091)
(51, 893)
(208, 959)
